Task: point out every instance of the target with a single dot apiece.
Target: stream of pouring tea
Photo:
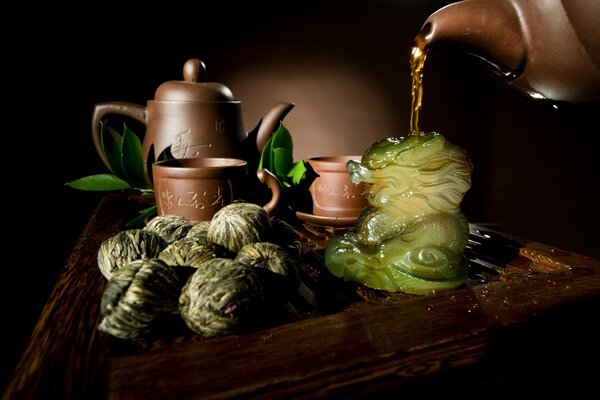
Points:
(417, 60)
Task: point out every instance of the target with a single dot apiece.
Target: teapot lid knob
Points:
(193, 87)
(194, 70)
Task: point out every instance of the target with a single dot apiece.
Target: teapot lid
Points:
(192, 88)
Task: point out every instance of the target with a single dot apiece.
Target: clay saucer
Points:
(326, 221)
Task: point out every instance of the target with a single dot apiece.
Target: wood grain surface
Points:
(66, 356)
(370, 343)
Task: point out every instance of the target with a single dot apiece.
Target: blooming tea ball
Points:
(238, 224)
(221, 298)
(269, 256)
(169, 227)
(200, 230)
(127, 246)
(191, 252)
(137, 297)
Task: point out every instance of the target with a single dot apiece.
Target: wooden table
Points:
(513, 324)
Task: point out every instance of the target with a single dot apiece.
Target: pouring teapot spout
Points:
(547, 49)
(487, 29)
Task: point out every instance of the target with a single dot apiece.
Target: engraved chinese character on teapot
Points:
(194, 118)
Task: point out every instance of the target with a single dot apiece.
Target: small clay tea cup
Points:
(333, 193)
(196, 188)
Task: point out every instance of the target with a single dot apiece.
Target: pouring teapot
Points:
(195, 119)
(548, 48)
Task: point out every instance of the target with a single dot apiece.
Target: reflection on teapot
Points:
(547, 49)
(195, 119)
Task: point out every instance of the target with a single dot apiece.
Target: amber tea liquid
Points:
(417, 61)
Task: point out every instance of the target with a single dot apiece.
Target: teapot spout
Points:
(269, 122)
(547, 49)
(490, 30)
(258, 137)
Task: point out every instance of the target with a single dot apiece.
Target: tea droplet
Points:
(506, 303)
(430, 307)
(551, 282)
(530, 275)
(472, 307)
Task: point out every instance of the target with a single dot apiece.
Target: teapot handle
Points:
(267, 178)
(101, 110)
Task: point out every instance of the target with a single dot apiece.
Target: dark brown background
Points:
(344, 64)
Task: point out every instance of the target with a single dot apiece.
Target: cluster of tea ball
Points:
(218, 275)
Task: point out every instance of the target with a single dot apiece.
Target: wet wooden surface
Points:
(524, 322)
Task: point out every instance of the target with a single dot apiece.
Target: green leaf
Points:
(111, 145)
(100, 182)
(165, 155)
(298, 172)
(265, 156)
(139, 220)
(146, 191)
(132, 159)
(283, 161)
(283, 139)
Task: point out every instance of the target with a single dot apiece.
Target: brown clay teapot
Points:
(548, 49)
(193, 117)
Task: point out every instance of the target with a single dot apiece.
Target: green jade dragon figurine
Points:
(412, 235)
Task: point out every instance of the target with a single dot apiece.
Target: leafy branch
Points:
(124, 155)
(277, 157)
